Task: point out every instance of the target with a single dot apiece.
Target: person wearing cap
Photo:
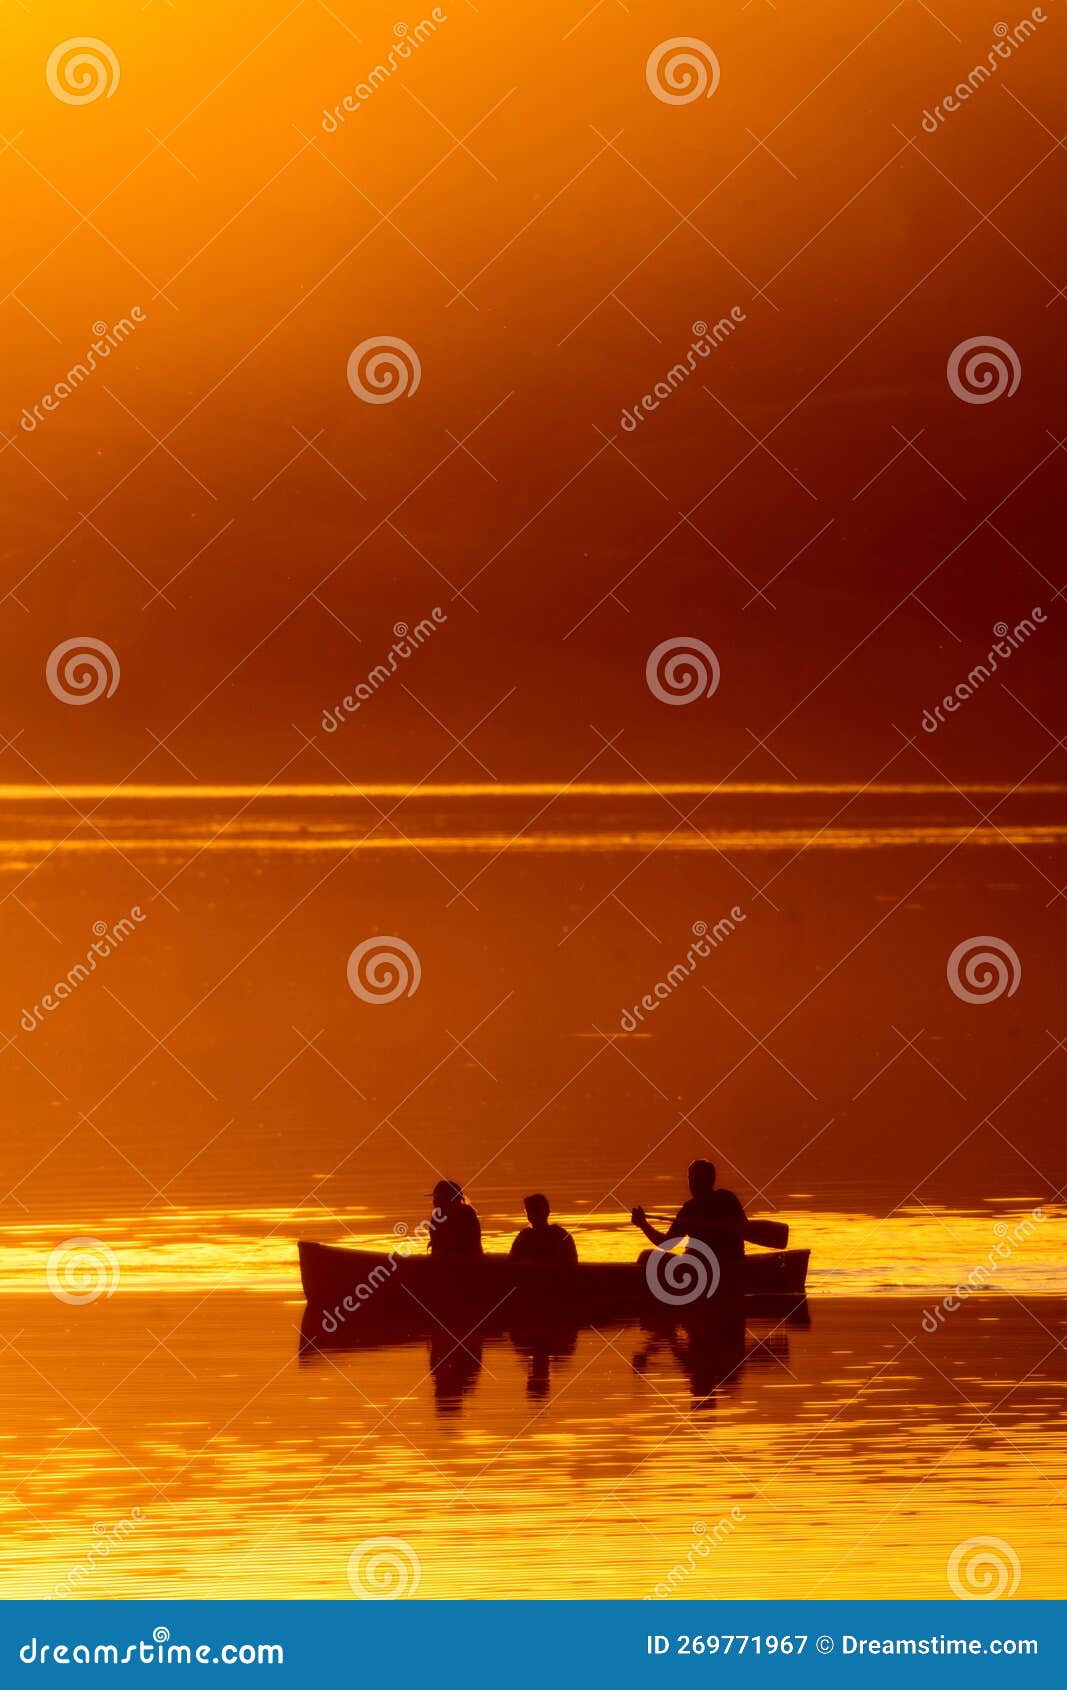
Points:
(542, 1244)
(455, 1230)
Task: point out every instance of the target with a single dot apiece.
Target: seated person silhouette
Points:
(712, 1216)
(455, 1230)
(541, 1244)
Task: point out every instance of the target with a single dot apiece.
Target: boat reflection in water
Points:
(361, 1299)
(711, 1353)
(713, 1357)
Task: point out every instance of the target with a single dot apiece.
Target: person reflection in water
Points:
(542, 1344)
(455, 1369)
(455, 1231)
(712, 1360)
(712, 1216)
(541, 1244)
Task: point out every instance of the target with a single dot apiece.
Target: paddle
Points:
(771, 1235)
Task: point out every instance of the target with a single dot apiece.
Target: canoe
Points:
(366, 1289)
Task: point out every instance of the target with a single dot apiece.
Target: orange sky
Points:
(515, 203)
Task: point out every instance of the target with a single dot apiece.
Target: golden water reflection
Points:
(849, 1458)
(168, 1438)
(1019, 1243)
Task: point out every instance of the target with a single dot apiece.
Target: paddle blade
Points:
(772, 1235)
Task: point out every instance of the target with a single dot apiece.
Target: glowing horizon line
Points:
(37, 791)
(674, 841)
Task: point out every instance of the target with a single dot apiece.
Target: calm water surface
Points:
(847, 1459)
(214, 1090)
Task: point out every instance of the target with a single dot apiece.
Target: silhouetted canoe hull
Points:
(346, 1289)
